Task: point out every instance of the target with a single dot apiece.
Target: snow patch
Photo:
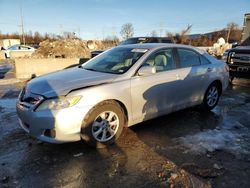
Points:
(211, 140)
(231, 135)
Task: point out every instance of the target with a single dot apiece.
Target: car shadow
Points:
(163, 134)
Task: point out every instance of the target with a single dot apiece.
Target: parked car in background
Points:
(18, 48)
(119, 88)
(5, 43)
(238, 60)
(138, 40)
(141, 40)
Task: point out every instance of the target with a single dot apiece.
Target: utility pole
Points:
(22, 28)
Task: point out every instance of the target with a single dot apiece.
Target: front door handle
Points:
(209, 69)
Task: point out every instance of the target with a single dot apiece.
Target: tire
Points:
(97, 130)
(211, 97)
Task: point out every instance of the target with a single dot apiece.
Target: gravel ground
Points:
(189, 148)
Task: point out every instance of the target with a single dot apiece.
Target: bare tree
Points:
(69, 35)
(127, 30)
(171, 35)
(231, 30)
(46, 36)
(181, 37)
(110, 41)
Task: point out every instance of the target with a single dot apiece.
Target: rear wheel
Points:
(211, 97)
(103, 124)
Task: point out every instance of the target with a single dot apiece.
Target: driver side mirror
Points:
(146, 71)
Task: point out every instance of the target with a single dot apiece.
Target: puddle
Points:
(8, 104)
(7, 111)
(232, 134)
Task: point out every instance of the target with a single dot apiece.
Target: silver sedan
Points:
(121, 87)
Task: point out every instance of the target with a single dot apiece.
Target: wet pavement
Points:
(6, 68)
(189, 148)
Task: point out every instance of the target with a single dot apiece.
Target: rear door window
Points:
(204, 61)
(24, 48)
(188, 58)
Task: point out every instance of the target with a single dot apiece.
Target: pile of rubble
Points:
(219, 48)
(67, 48)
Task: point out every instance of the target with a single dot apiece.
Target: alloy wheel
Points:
(212, 96)
(105, 126)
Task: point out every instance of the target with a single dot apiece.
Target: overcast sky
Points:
(102, 18)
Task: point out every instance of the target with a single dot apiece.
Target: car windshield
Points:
(14, 47)
(116, 61)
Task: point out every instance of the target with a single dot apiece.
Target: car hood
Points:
(62, 82)
(241, 49)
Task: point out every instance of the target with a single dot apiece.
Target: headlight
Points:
(58, 103)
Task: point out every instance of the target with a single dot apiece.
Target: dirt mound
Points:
(66, 48)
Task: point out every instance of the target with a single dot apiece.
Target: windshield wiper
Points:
(90, 69)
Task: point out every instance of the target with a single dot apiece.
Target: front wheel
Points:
(211, 97)
(103, 124)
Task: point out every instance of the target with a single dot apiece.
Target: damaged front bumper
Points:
(54, 126)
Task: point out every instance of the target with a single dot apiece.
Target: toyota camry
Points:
(119, 88)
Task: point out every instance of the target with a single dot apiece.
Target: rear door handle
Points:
(209, 69)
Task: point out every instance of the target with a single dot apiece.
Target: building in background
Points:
(246, 27)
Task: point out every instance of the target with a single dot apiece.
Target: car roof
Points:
(152, 46)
